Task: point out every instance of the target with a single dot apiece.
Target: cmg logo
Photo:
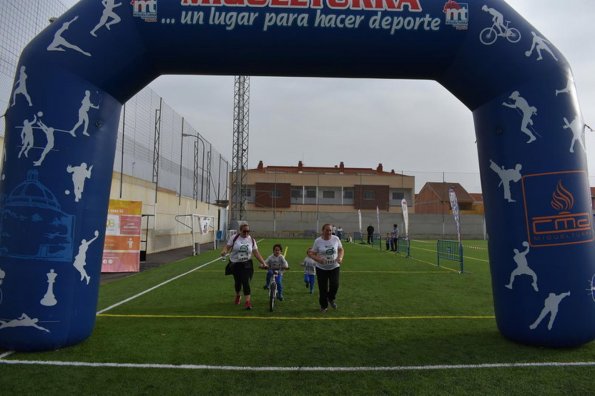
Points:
(562, 213)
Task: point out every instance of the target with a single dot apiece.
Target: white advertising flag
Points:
(359, 217)
(454, 206)
(405, 216)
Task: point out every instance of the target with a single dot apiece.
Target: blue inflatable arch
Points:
(74, 77)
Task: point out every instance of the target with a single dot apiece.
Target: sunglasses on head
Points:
(244, 230)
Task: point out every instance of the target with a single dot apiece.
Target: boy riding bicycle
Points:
(276, 262)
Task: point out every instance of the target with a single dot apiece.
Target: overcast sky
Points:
(403, 124)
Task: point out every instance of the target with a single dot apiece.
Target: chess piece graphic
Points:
(49, 300)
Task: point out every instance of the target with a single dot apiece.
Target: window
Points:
(247, 192)
(369, 195)
(296, 192)
(348, 193)
(328, 194)
(397, 196)
(310, 192)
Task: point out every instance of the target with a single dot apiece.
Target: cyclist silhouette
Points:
(497, 18)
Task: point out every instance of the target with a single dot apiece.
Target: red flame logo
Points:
(451, 5)
(562, 199)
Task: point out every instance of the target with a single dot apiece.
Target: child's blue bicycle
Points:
(273, 286)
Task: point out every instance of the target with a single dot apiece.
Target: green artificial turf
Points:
(402, 326)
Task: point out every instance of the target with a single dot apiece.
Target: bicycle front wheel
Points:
(272, 295)
(513, 35)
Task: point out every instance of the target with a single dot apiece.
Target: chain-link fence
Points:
(154, 142)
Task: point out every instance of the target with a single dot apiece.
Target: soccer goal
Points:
(198, 225)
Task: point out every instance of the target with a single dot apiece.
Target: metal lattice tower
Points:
(241, 120)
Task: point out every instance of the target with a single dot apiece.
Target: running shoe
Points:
(237, 300)
(248, 305)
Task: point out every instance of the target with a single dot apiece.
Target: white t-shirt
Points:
(328, 249)
(309, 266)
(242, 248)
(277, 262)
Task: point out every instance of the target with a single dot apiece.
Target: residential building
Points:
(433, 198)
(326, 189)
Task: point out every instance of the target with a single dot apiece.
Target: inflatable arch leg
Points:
(73, 78)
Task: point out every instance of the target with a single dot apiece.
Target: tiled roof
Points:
(338, 169)
(441, 191)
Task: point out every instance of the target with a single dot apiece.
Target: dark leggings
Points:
(242, 274)
(328, 285)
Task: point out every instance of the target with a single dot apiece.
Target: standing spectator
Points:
(370, 230)
(340, 233)
(241, 248)
(328, 252)
(395, 236)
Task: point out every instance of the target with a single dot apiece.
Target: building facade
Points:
(327, 189)
(433, 198)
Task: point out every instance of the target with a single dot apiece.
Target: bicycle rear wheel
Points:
(272, 295)
(488, 36)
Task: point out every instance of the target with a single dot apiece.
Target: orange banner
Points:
(121, 251)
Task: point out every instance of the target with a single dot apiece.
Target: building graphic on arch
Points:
(33, 207)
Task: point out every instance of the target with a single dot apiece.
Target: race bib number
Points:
(330, 256)
(243, 253)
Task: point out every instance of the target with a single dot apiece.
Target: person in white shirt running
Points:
(328, 253)
(241, 248)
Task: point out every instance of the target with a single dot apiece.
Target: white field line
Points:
(297, 369)
(6, 354)
(159, 285)
(155, 287)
